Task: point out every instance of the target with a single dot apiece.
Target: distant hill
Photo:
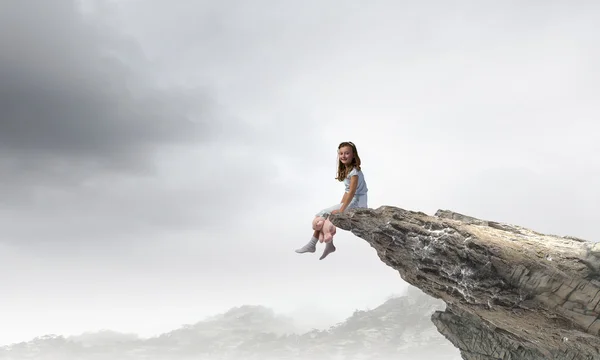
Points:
(400, 328)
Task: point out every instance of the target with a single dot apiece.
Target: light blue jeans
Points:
(358, 201)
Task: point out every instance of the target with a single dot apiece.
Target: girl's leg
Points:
(329, 247)
(311, 246)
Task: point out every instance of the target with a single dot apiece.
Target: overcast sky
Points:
(160, 162)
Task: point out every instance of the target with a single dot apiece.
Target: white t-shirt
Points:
(361, 188)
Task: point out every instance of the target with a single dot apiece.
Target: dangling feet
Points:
(329, 248)
(310, 247)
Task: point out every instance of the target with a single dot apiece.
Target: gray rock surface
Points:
(510, 292)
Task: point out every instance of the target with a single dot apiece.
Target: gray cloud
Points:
(91, 137)
(76, 96)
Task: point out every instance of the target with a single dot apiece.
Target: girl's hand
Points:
(335, 212)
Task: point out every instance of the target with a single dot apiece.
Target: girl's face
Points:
(345, 155)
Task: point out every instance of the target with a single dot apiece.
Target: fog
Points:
(398, 328)
(160, 162)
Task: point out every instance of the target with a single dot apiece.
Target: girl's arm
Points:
(350, 194)
(343, 198)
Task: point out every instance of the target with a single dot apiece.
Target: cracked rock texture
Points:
(510, 292)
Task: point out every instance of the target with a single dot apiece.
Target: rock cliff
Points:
(510, 292)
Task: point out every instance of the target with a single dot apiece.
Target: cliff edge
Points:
(510, 292)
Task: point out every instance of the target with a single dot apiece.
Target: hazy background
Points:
(160, 161)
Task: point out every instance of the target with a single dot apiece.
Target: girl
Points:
(355, 195)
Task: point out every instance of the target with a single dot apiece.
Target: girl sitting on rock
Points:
(355, 194)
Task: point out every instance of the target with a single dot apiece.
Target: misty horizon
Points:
(400, 326)
(299, 321)
(302, 321)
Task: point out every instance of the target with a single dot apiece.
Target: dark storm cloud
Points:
(74, 94)
(79, 103)
(81, 110)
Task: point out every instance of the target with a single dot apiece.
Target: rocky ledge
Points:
(510, 292)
